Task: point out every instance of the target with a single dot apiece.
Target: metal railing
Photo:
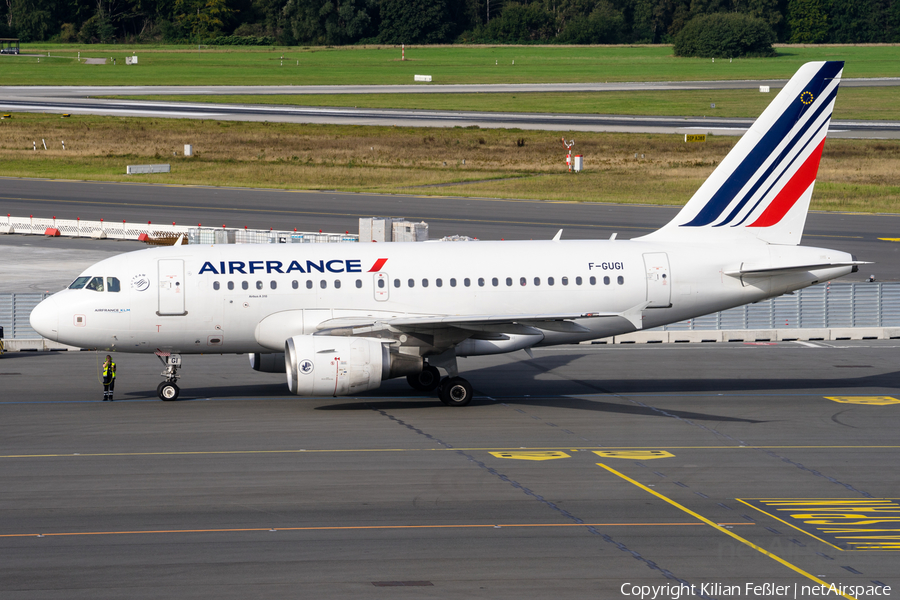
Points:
(827, 306)
(15, 309)
(833, 305)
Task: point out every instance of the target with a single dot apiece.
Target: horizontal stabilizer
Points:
(770, 271)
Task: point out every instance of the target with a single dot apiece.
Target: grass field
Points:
(854, 175)
(874, 103)
(447, 64)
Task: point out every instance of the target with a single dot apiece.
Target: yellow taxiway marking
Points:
(718, 527)
(889, 239)
(519, 455)
(870, 400)
(634, 454)
(359, 528)
(853, 522)
(377, 450)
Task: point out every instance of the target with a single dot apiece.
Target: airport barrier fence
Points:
(115, 230)
(822, 307)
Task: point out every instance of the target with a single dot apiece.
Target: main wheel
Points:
(455, 391)
(425, 381)
(167, 391)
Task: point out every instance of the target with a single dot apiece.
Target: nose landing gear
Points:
(167, 390)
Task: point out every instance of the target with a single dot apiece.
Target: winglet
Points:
(558, 236)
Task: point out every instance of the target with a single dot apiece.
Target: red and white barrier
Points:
(115, 230)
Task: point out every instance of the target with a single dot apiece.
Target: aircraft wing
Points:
(510, 323)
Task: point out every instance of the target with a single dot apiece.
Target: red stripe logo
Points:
(378, 264)
(791, 192)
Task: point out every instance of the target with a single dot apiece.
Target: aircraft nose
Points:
(45, 318)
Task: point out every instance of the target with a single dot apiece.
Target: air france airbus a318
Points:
(339, 319)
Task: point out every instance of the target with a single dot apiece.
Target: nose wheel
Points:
(168, 390)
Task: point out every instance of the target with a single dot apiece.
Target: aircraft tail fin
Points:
(762, 189)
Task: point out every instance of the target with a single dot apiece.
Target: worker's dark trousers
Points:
(109, 384)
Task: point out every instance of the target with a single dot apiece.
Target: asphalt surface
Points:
(874, 238)
(81, 100)
(63, 91)
(428, 118)
(243, 491)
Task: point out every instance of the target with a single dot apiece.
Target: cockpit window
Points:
(95, 284)
(79, 283)
(112, 284)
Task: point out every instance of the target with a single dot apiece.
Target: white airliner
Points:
(341, 318)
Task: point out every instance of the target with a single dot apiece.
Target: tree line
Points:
(344, 22)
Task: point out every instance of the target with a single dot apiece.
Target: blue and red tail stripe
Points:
(806, 109)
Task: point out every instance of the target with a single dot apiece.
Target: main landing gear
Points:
(452, 391)
(167, 390)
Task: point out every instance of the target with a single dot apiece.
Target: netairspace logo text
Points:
(749, 590)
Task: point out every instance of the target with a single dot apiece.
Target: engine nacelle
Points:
(267, 363)
(337, 366)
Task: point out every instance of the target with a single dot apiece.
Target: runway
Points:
(869, 237)
(241, 490)
(427, 118)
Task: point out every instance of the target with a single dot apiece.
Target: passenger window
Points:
(79, 283)
(564, 281)
(438, 282)
(424, 283)
(245, 285)
(606, 281)
(411, 283)
(481, 282)
(452, 282)
(273, 284)
(593, 280)
(309, 284)
(259, 285)
(550, 281)
(295, 284)
(537, 281)
(112, 284)
(509, 281)
(620, 280)
(578, 281)
(467, 282)
(323, 284)
(522, 281)
(380, 284)
(396, 283)
(495, 282)
(215, 285)
(230, 285)
(359, 283)
(96, 284)
(337, 284)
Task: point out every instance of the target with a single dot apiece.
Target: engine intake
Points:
(337, 366)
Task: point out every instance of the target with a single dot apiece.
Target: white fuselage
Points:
(220, 298)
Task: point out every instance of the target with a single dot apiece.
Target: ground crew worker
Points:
(109, 378)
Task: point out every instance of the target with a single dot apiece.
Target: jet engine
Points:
(267, 363)
(338, 366)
